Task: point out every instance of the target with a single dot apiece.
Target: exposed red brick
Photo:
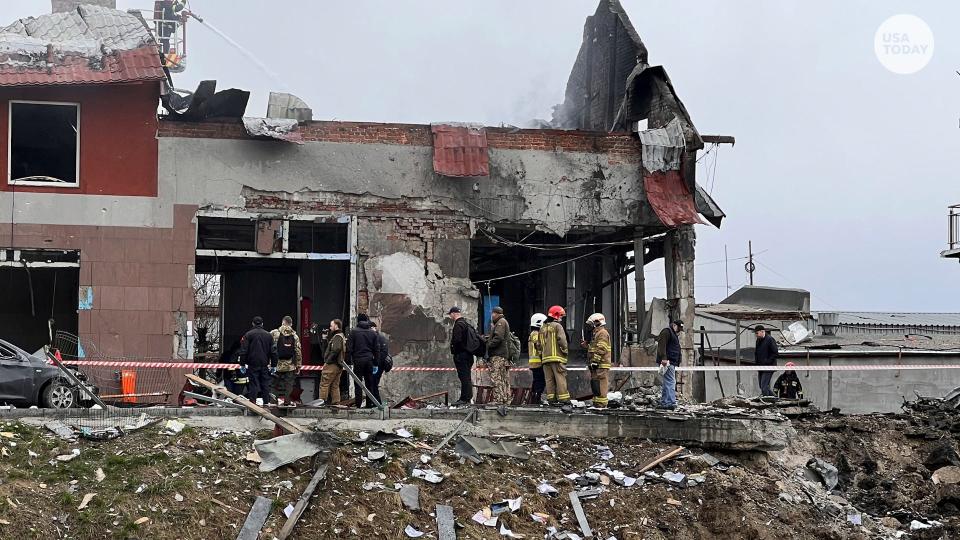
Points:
(619, 143)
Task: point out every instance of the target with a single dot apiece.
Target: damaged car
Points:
(28, 379)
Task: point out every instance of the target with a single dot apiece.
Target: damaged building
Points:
(105, 236)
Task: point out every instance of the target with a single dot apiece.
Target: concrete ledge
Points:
(727, 432)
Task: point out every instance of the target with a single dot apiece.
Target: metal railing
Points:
(953, 227)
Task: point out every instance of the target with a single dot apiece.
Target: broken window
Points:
(226, 234)
(44, 143)
(311, 237)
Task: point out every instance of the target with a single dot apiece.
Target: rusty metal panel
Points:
(460, 151)
(268, 236)
(670, 199)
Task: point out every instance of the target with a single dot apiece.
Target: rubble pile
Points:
(875, 476)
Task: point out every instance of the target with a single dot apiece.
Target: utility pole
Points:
(726, 268)
(750, 267)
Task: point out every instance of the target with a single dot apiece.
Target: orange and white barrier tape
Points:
(858, 367)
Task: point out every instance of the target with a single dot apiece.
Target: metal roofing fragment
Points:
(460, 151)
(670, 199)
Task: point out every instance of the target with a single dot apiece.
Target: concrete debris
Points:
(826, 472)
(855, 519)
(282, 129)
(61, 430)
(445, 523)
(581, 516)
(943, 455)
(946, 475)
(375, 455)
(69, 457)
(172, 427)
(410, 497)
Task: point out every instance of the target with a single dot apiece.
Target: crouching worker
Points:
(333, 357)
(289, 360)
(598, 358)
(788, 385)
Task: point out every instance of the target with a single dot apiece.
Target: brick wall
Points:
(623, 145)
(141, 279)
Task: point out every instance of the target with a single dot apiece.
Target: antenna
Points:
(750, 267)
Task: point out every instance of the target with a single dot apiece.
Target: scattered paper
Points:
(548, 448)
(546, 489)
(425, 459)
(429, 475)
(855, 519)
(141, 521)
(86, 500)
(31, 453)
(411, 532)
(7, 434)
(363, 435)
(540, 517)
(369, 517)
(508, 533)
(376, 455)
(253, 457)
(571, 476)
(484, 517)
(514, 503)
(288, 511)
(405, 434)
(604, 453)
(4, 522)
(100, 475)
(178, 497)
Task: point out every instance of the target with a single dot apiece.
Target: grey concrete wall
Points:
(856, 391)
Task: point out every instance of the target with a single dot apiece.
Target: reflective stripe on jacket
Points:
(553, 343)
(599, 351)
(533, 349)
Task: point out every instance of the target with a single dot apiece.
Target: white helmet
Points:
(597, 319)
(537, 320)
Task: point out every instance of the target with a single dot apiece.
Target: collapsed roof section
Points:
(612, 87)
(91, 44)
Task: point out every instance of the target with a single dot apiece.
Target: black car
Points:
(27, 380)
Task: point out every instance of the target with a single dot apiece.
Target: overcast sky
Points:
(842, 170)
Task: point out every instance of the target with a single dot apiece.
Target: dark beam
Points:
(719, 139)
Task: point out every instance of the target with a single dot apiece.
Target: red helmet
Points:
(557, 312)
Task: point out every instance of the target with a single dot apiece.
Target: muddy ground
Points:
(198, 485)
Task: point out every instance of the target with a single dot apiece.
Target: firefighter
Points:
(553, 354)
(598, 358)
(536, 364)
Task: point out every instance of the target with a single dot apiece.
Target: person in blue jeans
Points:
(668, 355)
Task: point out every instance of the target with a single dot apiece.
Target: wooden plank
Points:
(249, 405)
(581, 517)
(446, 529)
(302, 502)
(456, 430)
(664, 456)
(255, 519)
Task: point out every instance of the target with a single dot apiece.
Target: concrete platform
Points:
(705, 428)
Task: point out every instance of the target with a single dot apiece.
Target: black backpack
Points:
(286, 346)
(473, 343)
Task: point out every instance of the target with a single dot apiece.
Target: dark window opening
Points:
(226, 234)
(310, 237)
(44, 139)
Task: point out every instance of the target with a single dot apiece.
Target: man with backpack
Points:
(289, 359)
(464, 344)
(498, 350)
